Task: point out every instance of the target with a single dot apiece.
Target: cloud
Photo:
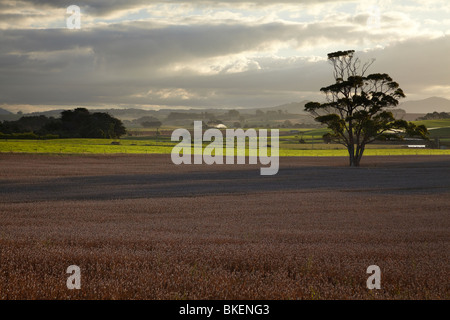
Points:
(418, 64)
(207, 53)
(56, 65)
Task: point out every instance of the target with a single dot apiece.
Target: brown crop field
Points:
(140, 227)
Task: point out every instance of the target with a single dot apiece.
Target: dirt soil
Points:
(140, 227)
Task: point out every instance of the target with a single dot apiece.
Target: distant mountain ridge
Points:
(427, 105)
(5, 112)
(414, 108)
(293, 107)
(423, 106)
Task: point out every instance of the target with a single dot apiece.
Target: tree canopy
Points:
(435, 116)
(357, 106)
(78, 123)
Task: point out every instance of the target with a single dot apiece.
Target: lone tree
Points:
(356, 107)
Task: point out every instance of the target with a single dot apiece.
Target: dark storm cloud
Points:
(209, 62)
(44, 63)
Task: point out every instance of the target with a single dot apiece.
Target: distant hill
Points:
(6, 115)
(426, 105)
(418, 107)
(49, 113)
(4, 112)
(292, 108)
(413, 109)
(123, 114)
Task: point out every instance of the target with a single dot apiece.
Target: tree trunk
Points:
(354, 157)
(351, 146)
(360, 153)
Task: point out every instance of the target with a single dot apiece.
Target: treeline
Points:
(146, 122)
(435, 116)
(78, 123)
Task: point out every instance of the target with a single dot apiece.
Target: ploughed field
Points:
(140, 227)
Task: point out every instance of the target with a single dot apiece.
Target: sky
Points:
(211, 54)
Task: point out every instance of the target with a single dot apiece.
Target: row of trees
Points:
(435, 116)
(78, 123)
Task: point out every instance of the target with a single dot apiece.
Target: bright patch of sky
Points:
(404, 18)
(223, 53)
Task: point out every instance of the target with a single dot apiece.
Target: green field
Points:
(430, 124)
(438, 129)
(164, 146)
(88, 146)
(312, 144)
